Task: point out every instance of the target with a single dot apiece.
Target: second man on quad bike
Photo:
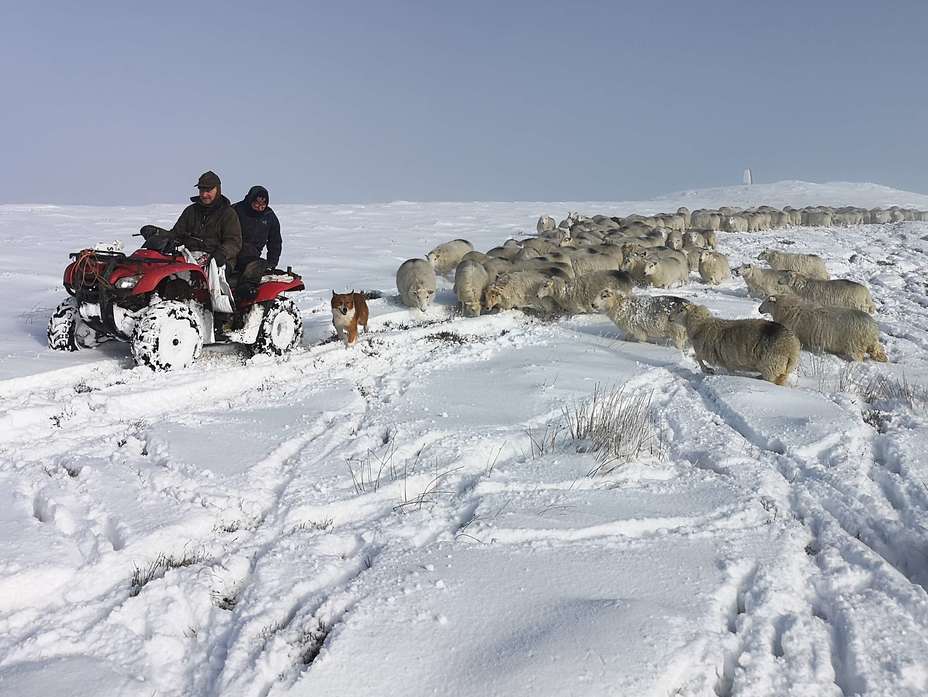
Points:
(209, 224)
(260, 228)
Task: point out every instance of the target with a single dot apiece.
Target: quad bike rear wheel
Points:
(67, 331)
(167, 336)
(281, 329)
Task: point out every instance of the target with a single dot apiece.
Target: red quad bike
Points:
(159, 301)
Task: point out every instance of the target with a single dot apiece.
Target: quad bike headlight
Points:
(127, 282)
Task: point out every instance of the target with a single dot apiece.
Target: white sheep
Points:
(706, 220)
(735, 223)
(504, 252)
(475, 256)
(817, 218)
(542, 264)
(839, 291)
(810, 265)
(540, 245)
(713, 267)
(701, 238)
(576, 295)
(667, 272)
(470, 282)
(760, 282)
(840, 330)
(758, 221)
(445, 257)
(675, 240)
(516, 289)
(754, 345)
(415, 280)
(586, 260)
(545, 224)
(495, 266)
(643, 317)
(685, 212)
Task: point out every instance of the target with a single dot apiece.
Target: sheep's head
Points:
(433, 258)
(552, 286)
(606, 297)
(688, 312)
(423, 296)
(764, 255)
(787, 278)
(650, 268)
(743, 270)
(766, 307)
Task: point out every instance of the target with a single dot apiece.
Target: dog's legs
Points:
(352, 334)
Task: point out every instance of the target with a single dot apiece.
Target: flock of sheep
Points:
(592, 264)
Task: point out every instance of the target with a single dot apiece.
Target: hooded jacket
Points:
(213, 229)
(259, 229)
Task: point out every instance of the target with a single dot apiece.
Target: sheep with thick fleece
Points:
(817, 218)
(761, 282)
(754, 345)
(415, 280)
(643, 317)
(811, 265)
(840, 330)
(542, 264)
(576, 295)
(701, 238)
(713, 267)
(706, 220)
(475, 256)
(545, 224)
(667, 272)
(448, 255)
(735, 223)
(685, 212)
(503, 252)
(517, 289)
(839, 291)
(495, 266)
(586, 260)
(470, 282)
(674, 240)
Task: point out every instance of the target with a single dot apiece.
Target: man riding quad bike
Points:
(160, 300)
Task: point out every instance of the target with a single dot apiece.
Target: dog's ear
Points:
(334, 293)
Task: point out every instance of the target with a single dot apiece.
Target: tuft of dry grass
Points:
(158, 567)
(616, 425)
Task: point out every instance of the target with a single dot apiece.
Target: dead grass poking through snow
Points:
(158, 567)
(615, 425)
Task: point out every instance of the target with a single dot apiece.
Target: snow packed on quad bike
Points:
(166, 302)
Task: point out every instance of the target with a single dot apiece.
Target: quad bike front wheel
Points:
(167, 336)
(67, 331)
(281, 329)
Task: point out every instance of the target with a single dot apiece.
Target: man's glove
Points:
(219, 258)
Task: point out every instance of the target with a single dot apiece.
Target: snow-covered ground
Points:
(392, 518)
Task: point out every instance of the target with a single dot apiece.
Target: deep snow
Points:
(357, 521)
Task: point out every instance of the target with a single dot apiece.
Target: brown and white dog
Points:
(349, 310)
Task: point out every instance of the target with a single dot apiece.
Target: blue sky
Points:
(324, 102)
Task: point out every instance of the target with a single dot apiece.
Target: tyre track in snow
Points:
(812, 487)
(113, 422)
(229, 652)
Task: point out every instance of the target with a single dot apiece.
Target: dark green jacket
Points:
(212, 229)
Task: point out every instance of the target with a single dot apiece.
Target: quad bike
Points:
(158, 299)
